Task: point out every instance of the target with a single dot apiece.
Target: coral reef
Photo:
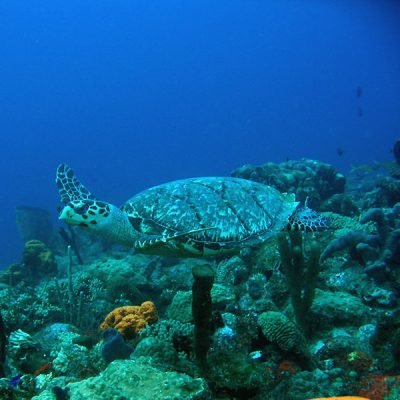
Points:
(306, 178)
(133, 380)
(237, 375)
(282, 323)
(180, 308)
(25, 352)
(13, 274)
(339, 308)
(378, 251)
(3, 340)
(130, 320)
(167, 344)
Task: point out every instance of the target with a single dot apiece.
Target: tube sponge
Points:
(201, 309)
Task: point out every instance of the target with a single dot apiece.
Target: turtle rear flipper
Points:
(307, 220)
(69, 187)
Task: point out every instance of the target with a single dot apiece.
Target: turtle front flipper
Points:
(148, 241)
(180, 244)
(160, 245)
(69, 187)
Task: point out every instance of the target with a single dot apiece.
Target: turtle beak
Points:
(67, 215)
(63, 214)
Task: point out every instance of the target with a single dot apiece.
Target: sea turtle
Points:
(196, 217)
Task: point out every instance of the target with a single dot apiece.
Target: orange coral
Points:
(378, 386)
(286, 368)
(129, 320)
(341, 398)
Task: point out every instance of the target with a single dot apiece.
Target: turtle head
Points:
(84, 210)
(101, 218)
(91, 214)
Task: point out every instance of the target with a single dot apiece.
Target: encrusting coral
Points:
(129, 320)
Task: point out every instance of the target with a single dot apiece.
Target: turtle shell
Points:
(214, 213)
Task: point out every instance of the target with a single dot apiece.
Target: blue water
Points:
(135, 93)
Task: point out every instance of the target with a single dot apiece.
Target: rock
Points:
(231, 271)
(222, 295)
(379, 297)
(127, 379)
(181, 307)
(338, 308)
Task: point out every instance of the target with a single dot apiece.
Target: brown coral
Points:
(129, 320)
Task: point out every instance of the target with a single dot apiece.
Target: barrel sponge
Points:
(129, 320)
(278, 329)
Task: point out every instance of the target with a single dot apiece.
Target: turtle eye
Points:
(81, 208)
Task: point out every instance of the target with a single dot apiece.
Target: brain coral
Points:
(129, 320)
(278, 329)
(38, 259)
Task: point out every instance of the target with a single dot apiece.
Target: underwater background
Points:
(136, 93)
(299, 99)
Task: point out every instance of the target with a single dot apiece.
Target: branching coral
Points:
(379, 251)
(129, 320)
(350, 241)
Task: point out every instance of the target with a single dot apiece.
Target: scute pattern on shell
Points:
(223, 209)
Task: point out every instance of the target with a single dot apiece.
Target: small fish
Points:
(339, 151)
(43, 369)
(359, 91)
(257, 356)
